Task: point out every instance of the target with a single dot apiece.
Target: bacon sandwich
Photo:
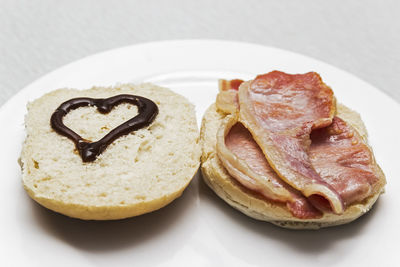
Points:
(280, 149)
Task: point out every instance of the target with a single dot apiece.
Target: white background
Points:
(360, 36)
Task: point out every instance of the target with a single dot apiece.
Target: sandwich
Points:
(279, 148)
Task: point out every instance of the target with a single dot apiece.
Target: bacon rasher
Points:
(244, 160)
(281, 110)
(343, 159)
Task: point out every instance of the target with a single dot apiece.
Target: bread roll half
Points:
(256, 206)
(137, 173)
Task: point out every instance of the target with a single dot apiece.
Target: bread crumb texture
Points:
(138, 173)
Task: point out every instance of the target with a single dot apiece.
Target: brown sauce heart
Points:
(147, 111)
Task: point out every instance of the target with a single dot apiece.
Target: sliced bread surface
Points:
(137, 173)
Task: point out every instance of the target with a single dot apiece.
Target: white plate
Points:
(197, 229)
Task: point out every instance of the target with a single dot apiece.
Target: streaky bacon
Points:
(244, 160)
(280, 110)
(225, 85)
(227, 98)
(343, 159)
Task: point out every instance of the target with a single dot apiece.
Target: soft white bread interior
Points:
(138, 173)
(256, 206)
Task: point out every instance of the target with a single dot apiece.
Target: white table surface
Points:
(360, 36)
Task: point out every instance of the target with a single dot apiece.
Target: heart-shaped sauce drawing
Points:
(147, 111)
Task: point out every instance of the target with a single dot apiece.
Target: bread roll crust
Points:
(254, 205)
(136, 174)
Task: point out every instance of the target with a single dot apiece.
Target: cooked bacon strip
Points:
(342, 158)
(225, 85)
(227, 98)
(244, 160)
(280, 110)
